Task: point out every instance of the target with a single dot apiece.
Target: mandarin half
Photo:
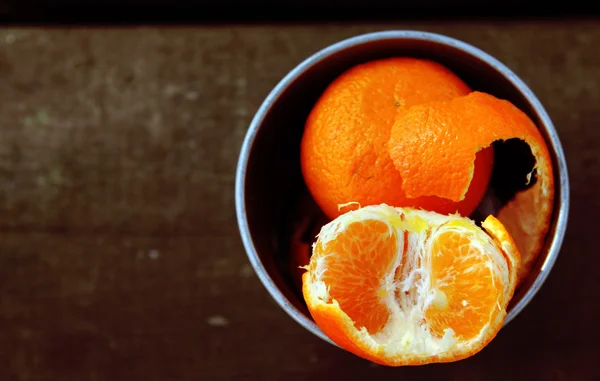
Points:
(400, 286)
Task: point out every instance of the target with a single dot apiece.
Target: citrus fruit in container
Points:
(409, 133)
(402, 195)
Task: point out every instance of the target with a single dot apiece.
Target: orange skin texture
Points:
(344, 149)
(471, 123)
(334, 321)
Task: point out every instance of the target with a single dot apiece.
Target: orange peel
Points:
(464, 126)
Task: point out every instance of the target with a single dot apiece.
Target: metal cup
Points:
(269, 184)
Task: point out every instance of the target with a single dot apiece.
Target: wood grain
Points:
(120, 257)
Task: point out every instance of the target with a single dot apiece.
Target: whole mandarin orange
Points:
(344, 150)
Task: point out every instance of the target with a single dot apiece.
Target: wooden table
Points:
(120, 257)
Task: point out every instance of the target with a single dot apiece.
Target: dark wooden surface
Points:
(120, 257)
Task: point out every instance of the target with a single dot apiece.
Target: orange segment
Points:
(356, 275)
(454, 132)
(401, 286)
(465, 291)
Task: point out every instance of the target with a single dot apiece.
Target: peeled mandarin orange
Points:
(453, 132)
(400, 286)
(344, 154)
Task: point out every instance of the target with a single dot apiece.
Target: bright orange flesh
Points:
(344, 154)
(469, 291)
(404, 287)
(354, 278)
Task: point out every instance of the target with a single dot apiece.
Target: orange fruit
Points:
(401, 286)
(452, 132)
(344, 154)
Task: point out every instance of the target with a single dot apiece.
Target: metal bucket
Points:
(269, 181)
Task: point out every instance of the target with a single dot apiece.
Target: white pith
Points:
(409, 297)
